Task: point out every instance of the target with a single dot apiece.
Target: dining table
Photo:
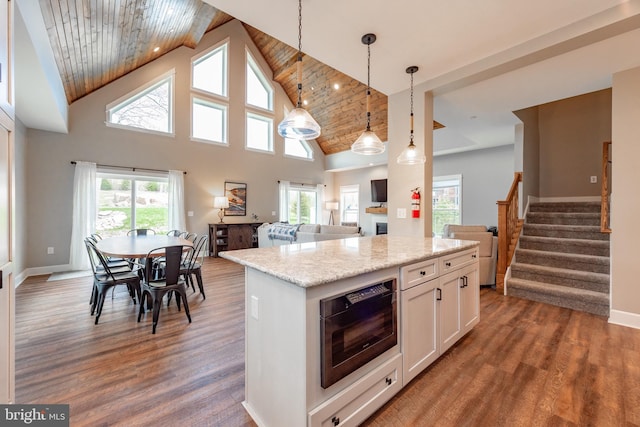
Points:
(139, 246)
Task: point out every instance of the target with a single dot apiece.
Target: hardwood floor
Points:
(524, 364)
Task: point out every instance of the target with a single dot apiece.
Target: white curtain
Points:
(176, 201)
(319, 198)
(84, 214)
(284, 201)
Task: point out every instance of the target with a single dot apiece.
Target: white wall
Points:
(625, 205)
(486, 177)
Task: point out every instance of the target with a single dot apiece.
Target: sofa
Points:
(277, 234)
(488, 250)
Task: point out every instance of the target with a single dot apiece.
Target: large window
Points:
(259, 90)
(259, 132)
(209, 121)
(446, 202)
(349, 206)
(209, 71)
(302, 206)
(149, 108)
(126, 202)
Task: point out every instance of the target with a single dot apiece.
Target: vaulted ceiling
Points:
(96, 43)
(481, 60)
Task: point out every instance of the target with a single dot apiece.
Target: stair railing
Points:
(604, 193)
(509, 226)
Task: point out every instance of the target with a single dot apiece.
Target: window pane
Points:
(114, 206)
(446, 203)
(259, 91)
(302, 207)
(209, 121)
(152, 207)
(210, 72)
(297, 148)
(259, 132)
(149, 109)
(349, 207)
(117, 213)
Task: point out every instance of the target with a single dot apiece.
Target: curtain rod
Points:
(302, 183)
(73, 162)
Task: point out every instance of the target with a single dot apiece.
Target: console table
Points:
(228, 237)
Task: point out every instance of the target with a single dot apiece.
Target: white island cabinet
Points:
(284, 286)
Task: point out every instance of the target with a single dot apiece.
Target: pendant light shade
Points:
(412, 154)
(299, 124)
(368, 143)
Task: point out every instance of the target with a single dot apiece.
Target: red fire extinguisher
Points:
(415, 203)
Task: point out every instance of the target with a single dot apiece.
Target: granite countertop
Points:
(316, 263)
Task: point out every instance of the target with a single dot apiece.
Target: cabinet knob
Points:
(473, 256)
(422, 273)
(335, 421)
(448, 264)
(388, 381)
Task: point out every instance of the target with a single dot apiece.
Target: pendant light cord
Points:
(411, 134)
(368, 85)
(299, 65)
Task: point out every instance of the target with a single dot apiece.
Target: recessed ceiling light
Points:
(336, 86)
(305, 102)
(157, 48)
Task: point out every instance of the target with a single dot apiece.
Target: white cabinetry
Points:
(437, 310)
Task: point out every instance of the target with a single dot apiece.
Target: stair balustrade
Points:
(509, 227)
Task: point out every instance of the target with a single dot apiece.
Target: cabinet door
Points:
(450, 325)
(240, 236)
(419, 328)
(470, 298)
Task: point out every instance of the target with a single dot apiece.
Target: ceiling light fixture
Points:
(368, 143)
(299, 124)
(411, 155)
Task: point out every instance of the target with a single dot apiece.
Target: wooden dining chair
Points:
(153, 289)
(106, 277)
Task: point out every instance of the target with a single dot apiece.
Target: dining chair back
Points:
(106, 277)
(192, 265)
(174, 233)
(141, 232)
(154, 289)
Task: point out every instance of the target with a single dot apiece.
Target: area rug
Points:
(68, 275)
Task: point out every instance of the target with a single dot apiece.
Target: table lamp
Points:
(220, 202)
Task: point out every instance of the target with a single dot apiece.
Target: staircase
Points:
(563, 258)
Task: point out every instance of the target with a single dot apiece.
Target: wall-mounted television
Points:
(379, 190)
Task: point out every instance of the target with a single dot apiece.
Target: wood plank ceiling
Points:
(98, 41)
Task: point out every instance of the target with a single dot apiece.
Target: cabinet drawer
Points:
(417, 273)
(353, 405)
(458, 259)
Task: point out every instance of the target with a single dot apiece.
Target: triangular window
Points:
(259, 91)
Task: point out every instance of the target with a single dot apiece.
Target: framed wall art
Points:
(236, 192)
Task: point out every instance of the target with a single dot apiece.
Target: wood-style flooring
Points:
(524, 364)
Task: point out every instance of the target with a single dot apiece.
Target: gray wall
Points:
(566, 136)
(486, 178)
(50, 180)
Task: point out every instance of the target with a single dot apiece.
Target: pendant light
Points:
(411, 155)
(368, 143)
(299, 124)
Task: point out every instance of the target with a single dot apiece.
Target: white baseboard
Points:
(38, 271)
(623, 318)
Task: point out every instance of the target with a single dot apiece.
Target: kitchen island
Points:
(435, 282)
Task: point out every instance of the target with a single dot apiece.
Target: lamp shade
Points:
(411, 156)
(299, 125)
(332, 206)
(220, 202)
(368, 143)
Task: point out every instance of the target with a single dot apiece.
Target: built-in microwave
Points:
(355, 328)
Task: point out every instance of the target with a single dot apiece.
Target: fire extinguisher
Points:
(415, 203)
